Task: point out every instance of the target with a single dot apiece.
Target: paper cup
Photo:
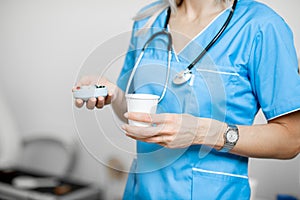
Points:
(144, 103)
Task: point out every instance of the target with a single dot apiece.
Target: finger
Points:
(135, 138)
(91, 103)
(79, 103)
(149, 118)
(76, 87)
(162, 144)
(158, 140)
(141, 132)
(108, 98)
(100, 102)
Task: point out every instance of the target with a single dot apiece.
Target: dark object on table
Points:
(22, 184)
(285, 197)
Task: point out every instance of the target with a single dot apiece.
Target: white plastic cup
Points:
(144, 103)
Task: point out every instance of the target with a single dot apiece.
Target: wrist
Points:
(210, 132)
(220, 136)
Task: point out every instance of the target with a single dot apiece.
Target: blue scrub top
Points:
(253, 65)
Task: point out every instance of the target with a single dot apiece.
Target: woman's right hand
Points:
(98, 102)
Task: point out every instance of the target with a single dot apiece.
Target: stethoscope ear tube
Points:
(169, 37)
(185, 75)
(133, 71)
(164, 33)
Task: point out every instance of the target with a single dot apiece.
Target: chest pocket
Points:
(214, 86)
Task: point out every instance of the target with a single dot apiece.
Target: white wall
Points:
(43, 44)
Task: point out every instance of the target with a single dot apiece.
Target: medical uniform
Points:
(253, 65)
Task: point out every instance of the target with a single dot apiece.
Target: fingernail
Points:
(126, 115)
(123, 126)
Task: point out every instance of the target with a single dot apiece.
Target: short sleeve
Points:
(135, 45)
(273, 69)
(129, 61)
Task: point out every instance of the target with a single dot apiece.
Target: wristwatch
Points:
(231, 136)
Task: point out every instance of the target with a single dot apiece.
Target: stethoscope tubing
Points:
(186, 72)
(217, 36)
(165, 33)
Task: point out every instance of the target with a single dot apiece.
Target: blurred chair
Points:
(48, 154)
(40, 152)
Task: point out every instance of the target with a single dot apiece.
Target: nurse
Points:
(202, 135)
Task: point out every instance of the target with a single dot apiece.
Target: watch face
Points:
(232, 136)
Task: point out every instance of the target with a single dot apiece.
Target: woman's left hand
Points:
(175, 130)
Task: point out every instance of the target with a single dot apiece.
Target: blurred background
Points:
(45, 46)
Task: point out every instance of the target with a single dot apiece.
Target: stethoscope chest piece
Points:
(182, 77)
(185, 75)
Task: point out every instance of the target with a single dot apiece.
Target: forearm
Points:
(119, 104)
(279, 139)
(267, 141)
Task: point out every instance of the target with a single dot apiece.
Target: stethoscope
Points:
(186, 74)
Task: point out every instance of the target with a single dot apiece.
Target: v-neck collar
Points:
(196, 37)
(199, 34)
